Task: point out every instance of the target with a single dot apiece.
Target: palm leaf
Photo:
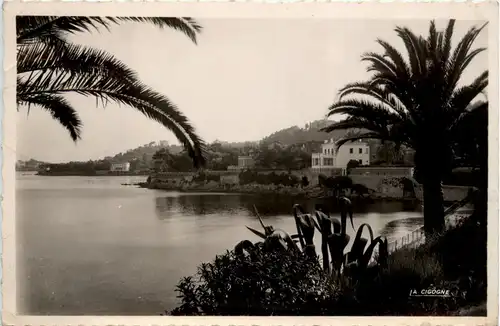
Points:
(42, 28)
(59, 108)
(48, 67)
(415, 47)
(108, 80)
(459, 59)
(446, 41)
(400, 65)
(378, 93)
(60, 57)
(462, 97)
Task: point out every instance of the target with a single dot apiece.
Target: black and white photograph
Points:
(175, 165)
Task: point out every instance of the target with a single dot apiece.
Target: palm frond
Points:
(416, 48)
(397, 58)
(374, 118)
(364, 109)
(463, 97)
(59, 108)
(40, 28)
(48, 60)
(432, 40)
(108, 87)
(359, 136)
(446, 41)
(461, 56)
(379, 63)
(378, 93)
(468, 118)
(348, 124)
(187, 25)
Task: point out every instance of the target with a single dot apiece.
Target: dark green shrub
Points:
(462, 251)
(213, 177)
(360, 189)
(455, 261)
(283, 276)
(284, 179)
(269, 283)
(200, 177)
(352, 164)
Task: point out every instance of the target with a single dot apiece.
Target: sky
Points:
(245, 79)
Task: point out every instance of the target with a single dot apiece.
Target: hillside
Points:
(143, 153)
(309, 137)
(310, 133)
(30, 165)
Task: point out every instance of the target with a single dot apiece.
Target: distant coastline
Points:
(310, 192)
(87, 174)
(257, 189)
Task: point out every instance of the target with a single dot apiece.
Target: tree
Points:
(360, 189)
(276, 157)
(219, 157)
(389, 153)
(162, 160)
(471, 148)
(343, 183)
(304, 181)
(352, 164)
(48, 67)
(416, 102)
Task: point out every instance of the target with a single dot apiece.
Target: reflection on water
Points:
(201, 204)
(266, 205)
(409, 224)
(91, 246)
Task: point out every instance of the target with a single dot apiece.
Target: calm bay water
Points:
(88, 245)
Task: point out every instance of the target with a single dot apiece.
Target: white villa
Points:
(120, 167)
(329, 159)
(244, 162)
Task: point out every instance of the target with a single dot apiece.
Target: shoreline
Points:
(55, 174)
(210, 188)
(308, 192)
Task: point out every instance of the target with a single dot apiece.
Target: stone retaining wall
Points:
(381, 185)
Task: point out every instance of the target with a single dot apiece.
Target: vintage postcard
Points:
(203, 163)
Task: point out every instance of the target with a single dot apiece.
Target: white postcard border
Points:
(373, 10)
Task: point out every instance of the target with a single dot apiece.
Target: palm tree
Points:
(48, 67)
(471, 148)
(416, 102)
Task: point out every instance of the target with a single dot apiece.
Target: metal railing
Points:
(417, 237)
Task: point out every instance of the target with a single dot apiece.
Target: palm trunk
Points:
(481, 202)
(433, 208)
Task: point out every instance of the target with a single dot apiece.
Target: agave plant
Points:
(361, 257)
(273, 239)
(334, 237)
(334, 240)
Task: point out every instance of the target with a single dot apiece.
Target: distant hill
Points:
(309, 137)
(309, 133)
(238, 145)
(30, 165)
(289, 136)
(144, 153)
